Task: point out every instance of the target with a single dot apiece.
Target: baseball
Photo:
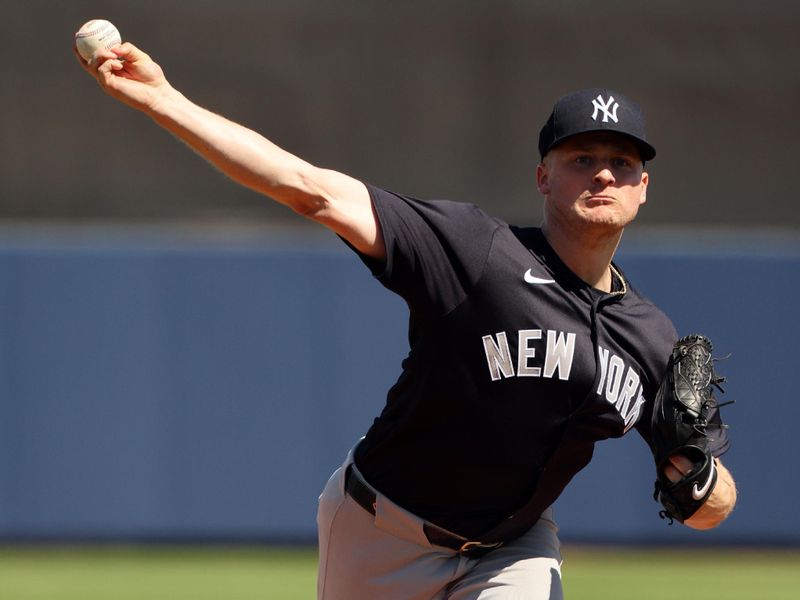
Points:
(94, 34)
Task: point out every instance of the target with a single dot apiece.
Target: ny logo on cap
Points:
(599, 104)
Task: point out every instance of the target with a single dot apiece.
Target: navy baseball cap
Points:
(595, 109)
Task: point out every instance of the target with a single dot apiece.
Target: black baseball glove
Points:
(679, 422)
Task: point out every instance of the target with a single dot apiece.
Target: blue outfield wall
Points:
(169, 386)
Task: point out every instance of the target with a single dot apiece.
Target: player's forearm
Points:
(718, 505)
(240, 153)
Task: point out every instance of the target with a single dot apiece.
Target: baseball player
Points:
(527, 345)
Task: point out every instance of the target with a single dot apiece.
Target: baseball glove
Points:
(679, 422)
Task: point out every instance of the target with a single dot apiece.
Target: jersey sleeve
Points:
(435, 250)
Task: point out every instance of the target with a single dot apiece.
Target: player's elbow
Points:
(309, 206)
(299, 189)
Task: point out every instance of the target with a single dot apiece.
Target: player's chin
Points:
(605, 217)
(611, 214)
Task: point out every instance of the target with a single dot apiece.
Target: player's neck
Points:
(587, 255)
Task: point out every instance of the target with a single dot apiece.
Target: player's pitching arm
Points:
(718, 505)
(333, 199)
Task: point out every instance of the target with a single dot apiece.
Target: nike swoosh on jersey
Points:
(531, 278)
(698, 493)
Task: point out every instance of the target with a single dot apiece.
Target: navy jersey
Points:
(516, 367)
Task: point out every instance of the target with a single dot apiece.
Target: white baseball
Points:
(94, 34)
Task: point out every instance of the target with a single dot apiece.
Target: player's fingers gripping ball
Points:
(679, 425)
(94, 35)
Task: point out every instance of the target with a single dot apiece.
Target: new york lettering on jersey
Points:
(620, 384)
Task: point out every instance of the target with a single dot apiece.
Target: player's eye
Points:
(621, 162)
(583, 160)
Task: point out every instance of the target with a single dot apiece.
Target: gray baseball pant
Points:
(387, 556)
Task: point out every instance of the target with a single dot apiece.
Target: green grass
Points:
(245, 573)
(681, 574)
(155, 572)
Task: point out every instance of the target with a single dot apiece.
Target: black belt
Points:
(359, 491)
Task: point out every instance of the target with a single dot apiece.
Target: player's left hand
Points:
(685, 467)
(679, 466)
(719, 504)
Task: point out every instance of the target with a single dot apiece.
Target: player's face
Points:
(593, 179)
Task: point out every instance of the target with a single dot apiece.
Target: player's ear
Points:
(645, 181)
(543, 178)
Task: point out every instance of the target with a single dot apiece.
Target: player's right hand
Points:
(127, 74)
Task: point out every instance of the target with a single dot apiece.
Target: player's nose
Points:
(604, 176)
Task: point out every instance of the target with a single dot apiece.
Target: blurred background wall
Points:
(180, 358)
(441, 98)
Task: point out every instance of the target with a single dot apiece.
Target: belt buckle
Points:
(478, 548)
